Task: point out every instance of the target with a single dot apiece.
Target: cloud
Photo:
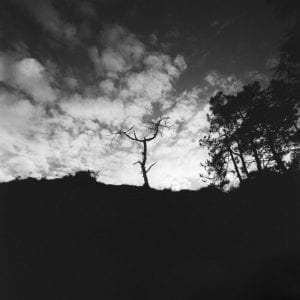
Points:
(27, 75)
(107, 86)
(187, 105)
(108, 112)
(229, 84)
(86, 8)
(178, 153)
(45, 14)
(178, 165)
(120, 51)
(17, 118)
(46, 132)
(255, 75)
(148, 85)
(131, 72)
(272, 62)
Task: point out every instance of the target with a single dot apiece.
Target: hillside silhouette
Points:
(75, 238)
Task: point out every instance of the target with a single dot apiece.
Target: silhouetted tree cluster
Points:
(249, 131)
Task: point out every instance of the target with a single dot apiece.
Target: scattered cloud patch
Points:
(229, 84)
(118, 51)
(254, 75)
(272, 62)
(46, 132)
(27, 75)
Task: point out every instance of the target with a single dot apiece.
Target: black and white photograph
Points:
(149, 149)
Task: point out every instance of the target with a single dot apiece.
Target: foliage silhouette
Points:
(253, 126)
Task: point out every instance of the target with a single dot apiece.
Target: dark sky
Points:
(228, 36)
(72, 71)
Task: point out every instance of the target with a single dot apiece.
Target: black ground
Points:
(74, 238)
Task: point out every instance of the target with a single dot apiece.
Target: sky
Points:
(74, 72)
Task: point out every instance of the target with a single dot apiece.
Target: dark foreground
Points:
(78, 239)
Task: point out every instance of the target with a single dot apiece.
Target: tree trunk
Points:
(234, 164)
(254, 150)
(143, 164)
(276, 155)
(255, 153)
(146, 181)
(243, 160)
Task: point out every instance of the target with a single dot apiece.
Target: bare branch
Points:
(150, 167)
(135, 136)
(126, 133)
(131, 128)
(155, 127)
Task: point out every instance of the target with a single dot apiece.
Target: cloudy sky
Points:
(72, 72)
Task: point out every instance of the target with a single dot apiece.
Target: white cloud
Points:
(122, 58)
(178, 164)
(42, 134)
(120, 51)
(133, 74)
(107, 86)
(187, 105)
(111, 113)
(27, 75)
(180, 62)
(150, 84)
(178, 154)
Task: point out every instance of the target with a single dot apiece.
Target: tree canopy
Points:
(251, 130)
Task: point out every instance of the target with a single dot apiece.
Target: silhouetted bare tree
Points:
(154, 128)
